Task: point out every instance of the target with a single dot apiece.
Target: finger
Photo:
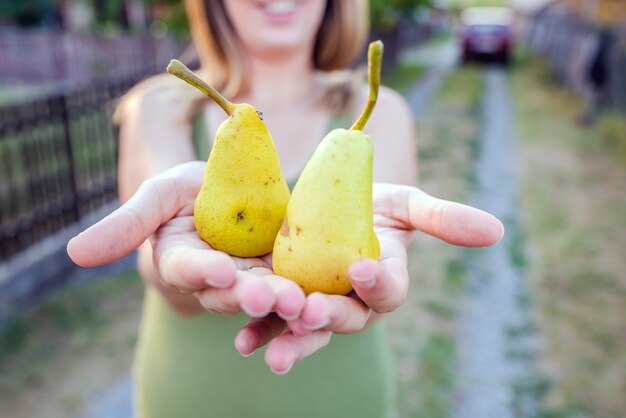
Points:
(298, 328)
(228, 301)
(250, 294)
(155, 202)
(189, 269)
(253, 264)
(289, 298)
(339, 314)
(286, 350)
(452, 222)
(258, 332)
(221, 301)
(256, 296)
(382, 286)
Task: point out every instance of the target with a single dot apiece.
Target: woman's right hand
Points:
(162, 211)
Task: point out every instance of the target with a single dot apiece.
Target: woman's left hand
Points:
(379, 286)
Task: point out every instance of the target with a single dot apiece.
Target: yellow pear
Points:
(242, 202)
(329, 222)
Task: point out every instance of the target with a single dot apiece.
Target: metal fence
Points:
(46, 56)
(569, 46)
(58, 161)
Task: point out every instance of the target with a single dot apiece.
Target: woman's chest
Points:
(296, 133)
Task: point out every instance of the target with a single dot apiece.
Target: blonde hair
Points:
(340, 39)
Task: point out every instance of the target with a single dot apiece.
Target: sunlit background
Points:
(520, 111)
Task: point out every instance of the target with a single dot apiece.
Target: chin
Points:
(281, 43)
(276, 24)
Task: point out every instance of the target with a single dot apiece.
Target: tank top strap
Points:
(199, 134)
(339, 121)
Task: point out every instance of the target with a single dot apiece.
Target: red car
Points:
(487, 33)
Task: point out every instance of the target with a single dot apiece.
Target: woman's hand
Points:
(379, 286)
(162, 211)
(294, 327)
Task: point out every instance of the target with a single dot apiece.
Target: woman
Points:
(277, 55)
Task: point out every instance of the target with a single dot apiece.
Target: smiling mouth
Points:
(282, 7)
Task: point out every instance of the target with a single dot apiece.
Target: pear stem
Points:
(179, 69)
(374, 61)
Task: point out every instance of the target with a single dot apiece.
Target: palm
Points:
(180, 235)
(162, 210)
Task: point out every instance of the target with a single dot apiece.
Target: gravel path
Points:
(115, 402)
(496, 342)
(440, 60)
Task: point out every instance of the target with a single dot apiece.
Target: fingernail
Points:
(321, 325)
(301, 332)
(243, 344)
(213, 283)
(287, 318)
(365, 282)
(363, 273)
(298, 329)
(251, 312)
(284, 371)
(243, 352)
(247, 355)
(503, 230)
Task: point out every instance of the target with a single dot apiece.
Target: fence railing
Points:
(46, 56)
(569, 46)
(58, 161)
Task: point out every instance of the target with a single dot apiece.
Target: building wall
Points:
(602, 12)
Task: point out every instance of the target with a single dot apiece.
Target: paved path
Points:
(495, 341)
(439, 59)
(115, 402)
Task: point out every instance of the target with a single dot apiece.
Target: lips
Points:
(280, 8)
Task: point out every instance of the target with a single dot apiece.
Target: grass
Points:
(422, 329)
(52, 353)
(573, 197)
(401, 77)
(611, 128)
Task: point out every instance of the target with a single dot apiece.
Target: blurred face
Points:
(274, 27)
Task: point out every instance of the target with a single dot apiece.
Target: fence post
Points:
(67, 138)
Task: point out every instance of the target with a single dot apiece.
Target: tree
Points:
(29, 13)
(386, 14)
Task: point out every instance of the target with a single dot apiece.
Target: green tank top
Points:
(189, 368)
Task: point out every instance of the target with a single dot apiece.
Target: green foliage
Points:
(80, 308)
(174, 18)
(458, 5)
(27, 13)
(612, 132)
(386, 14)
(402, 76)
(437, 362)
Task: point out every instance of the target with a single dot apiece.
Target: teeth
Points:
(278, 7)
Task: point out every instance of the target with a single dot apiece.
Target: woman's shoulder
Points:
(392, 130)
(391, 113)
(159, 97)
(388, 103)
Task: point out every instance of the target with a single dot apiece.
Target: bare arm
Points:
(392, 129)
(155, 135)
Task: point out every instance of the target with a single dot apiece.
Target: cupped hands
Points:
(292, 325)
